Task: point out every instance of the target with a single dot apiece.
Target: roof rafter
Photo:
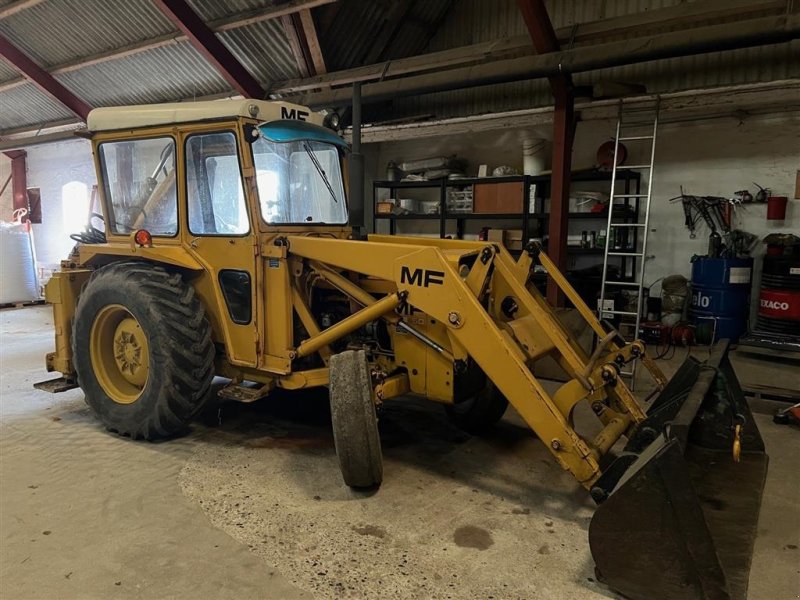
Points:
(304, 42)
(218, 25)
(702, 40)
(18, 6)
(206, 42)
(312, 41)
(645, 23)
(42, 79)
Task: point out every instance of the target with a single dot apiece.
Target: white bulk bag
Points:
(18, 281)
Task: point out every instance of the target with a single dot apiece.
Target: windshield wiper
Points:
(320, 170)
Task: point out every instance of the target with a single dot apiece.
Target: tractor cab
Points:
(225, 168)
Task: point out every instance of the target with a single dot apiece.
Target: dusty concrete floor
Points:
(253, 507)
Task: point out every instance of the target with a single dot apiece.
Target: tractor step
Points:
(59, 384)
(243, 393)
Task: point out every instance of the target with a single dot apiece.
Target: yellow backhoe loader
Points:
(225, 250)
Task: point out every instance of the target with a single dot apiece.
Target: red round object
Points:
(605, 155)
(143, 238)
(682, 335)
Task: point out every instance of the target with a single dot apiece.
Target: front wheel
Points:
(355, 425)
(142, 350)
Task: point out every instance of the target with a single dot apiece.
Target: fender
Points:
(175, 256)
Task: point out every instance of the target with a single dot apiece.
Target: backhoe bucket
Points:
(678, 509)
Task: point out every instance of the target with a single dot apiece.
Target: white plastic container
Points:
(18, 281)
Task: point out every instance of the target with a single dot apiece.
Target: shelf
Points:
(579, 250)
(412, 217)
(464, 216)
(587, 215)
(594, 175)
(508, 216)
(431, 183)
(589, 175)
(437, 183)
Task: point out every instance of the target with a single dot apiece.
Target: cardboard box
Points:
(496, 236)
(506, 197)
(510, 238)
(384, 208)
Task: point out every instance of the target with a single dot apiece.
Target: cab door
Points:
(219, 234)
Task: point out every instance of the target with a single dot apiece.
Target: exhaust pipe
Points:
(357, 213)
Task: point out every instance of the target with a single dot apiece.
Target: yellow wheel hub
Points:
(120, 354)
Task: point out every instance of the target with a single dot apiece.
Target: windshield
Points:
(299, 182)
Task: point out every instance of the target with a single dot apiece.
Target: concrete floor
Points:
(252, 506)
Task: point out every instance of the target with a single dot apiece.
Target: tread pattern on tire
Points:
(355, 426)
(181, 349)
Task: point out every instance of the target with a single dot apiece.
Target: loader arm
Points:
(505, 346)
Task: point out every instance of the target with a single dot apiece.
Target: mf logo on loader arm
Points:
(421, 277)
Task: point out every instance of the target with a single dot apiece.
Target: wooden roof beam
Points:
(701, 40)
(645, 23)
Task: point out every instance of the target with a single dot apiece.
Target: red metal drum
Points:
(779, 298)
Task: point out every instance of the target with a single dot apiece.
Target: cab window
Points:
(139, 181)
(299, 182)
(215, 195)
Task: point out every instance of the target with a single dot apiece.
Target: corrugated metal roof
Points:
(56, 31)
(7, 72)
(25, 105)
(263, 49)
(474, 21)
(353, 32)
(351, 35)
(164, 74)
(216, 9)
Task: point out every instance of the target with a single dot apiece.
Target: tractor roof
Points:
(147, 115)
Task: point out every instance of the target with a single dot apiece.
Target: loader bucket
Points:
(677, 514)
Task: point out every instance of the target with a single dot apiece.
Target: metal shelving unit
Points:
(443, 185)
(533, 222)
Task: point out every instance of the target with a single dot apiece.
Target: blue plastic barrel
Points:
(721, 295)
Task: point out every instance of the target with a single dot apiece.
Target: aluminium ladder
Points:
(621, 229)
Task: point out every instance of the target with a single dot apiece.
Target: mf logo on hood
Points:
(293, 113)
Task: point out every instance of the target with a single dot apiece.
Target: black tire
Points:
(355, 424)
(478, 414)
(181, 352)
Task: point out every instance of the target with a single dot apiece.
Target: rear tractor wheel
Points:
(142, 350)
(477, 414)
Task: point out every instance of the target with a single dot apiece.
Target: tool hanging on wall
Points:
(716, 213)
(762, 194)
